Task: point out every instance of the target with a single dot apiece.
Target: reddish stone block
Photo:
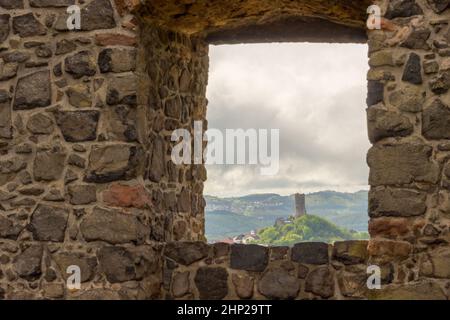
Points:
(389, 227)
(394, 227)
(388, 248)
(388, 25)
(125, 196)
(126, 6)
(114, 39)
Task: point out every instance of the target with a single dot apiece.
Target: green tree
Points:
(304, 229)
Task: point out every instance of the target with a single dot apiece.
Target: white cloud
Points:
(314, 93)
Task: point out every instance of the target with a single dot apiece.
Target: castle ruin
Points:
(300, 207)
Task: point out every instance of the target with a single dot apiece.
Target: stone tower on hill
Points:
(300, 208)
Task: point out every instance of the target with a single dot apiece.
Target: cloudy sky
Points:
(314, 93)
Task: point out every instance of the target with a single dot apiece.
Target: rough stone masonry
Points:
(86, 177)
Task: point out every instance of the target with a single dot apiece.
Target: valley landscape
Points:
(230, 217)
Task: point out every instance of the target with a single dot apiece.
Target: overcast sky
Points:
(314, 93)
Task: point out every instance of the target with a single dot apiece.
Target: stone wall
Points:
(306, 271)
(176, 75)
(86, 177)
(408, 123)
(85, 171)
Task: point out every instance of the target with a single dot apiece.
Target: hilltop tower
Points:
(300, 208)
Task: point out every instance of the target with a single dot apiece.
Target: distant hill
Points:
(232, 216)
(307, 228)
(225, 224)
